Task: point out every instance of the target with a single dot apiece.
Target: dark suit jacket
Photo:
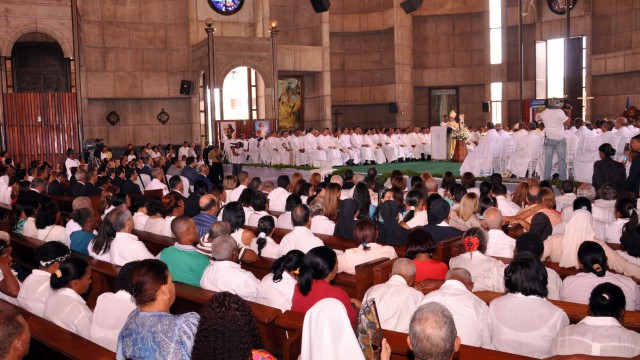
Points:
(190, 173)
(441, 233)
(609, 171)
(56, 188)
(75, 189)
(192, 205)
(200, 177)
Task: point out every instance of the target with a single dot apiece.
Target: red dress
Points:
(320, 289)
(430, 269)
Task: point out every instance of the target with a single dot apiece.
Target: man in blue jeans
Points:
(554, 120)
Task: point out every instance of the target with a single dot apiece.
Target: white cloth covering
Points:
(470, 313)
(109, 316)
(228, 276)
(35, 291)
(67, 309)
(396, 302)
(276, 294)
(598, 336)
(327, 333)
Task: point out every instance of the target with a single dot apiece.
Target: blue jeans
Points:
(559, 146)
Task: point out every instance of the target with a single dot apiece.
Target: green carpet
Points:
(434, 167)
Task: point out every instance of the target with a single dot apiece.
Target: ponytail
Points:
(291, 261)
(69, 270)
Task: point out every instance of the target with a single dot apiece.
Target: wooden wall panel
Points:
(47, 138)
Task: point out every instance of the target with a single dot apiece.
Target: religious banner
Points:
(442, 101)
(290, 103)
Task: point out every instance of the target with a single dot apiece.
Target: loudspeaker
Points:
(185, 87)
(320, 5)
(393, 108)
(410, 6)
(485, 107)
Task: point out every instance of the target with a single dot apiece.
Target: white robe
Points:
(482, 158)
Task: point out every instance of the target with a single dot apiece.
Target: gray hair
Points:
(80, 174)
(222, 247)
(460, 273)
(432, 332)
(155, 172)
(119, 217)
(404, 267)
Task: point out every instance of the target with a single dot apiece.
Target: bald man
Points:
(14, 335)
(469, 312)
(396, 300)
(499, 244)
(185, 263)
(209, 207)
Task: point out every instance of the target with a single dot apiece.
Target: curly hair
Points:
(227, 330)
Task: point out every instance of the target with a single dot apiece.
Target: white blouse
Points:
(577, 288)
(67, 309)
(109, 316)
(277, 295)
(53, 233)
(321, 224)
(525, 325)
(35, 291)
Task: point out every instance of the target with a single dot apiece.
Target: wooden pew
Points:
(292, 323)
(50, 341)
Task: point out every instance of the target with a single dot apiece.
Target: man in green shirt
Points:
(185, 263)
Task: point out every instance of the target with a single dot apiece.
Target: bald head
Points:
(405, 268)
(81, 202)
(208, 204)
(184, 230)
(493, 218)
(462, 275)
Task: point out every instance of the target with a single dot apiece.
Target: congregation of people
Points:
(219, 222)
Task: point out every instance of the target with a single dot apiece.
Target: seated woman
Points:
(319, 267)
(465, 216)
(487, 273)
(150, 331)
(365, 235)
(230, 315)
(80, 240)
(173, 205)
(46, 219)
(66, 307)
(320, 224)
(417, 213)
(155, 219)
(523, 321)
(260, 205)
(113, 309)
(601, 333)
(36, 288)
(420, 247)
(593, 263)
(347, 218)
(264, 245)
(391, 232)
(276, 289)
(626, 218)
(563, 248)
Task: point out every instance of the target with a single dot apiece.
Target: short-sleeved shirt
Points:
(185, 263)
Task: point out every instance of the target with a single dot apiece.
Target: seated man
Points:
(469, 312)
(185, 263)
(481, 159)
(396, 300)
(499, 244)
(225, 274)
(432, 333)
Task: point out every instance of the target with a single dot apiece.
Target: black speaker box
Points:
(485, 107)
(393, 108)
(320, 5)
(410, 6)
(185, 87)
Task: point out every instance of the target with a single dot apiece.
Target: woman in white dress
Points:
(276, 289)
(66, 307)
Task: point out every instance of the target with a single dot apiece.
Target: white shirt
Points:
(599, 336)
(487, 273)
(470, 313)
(300, 238)
(577, 288)
(35, 291)
(500, 244)
(67, 309)
(228, 276)
(126, 248)
(156, 184)
(276, 294)
(53, 233)
(507, 207)
(396, 302)
(321, 224)
(235, 193)
(348, 260)
(140, 220)
(525, 325)
(284, 221)
(278, 199)
(553, 120)
(270, 250)
(109, 316)
(613, 230)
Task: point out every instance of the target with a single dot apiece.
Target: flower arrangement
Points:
(461, 134)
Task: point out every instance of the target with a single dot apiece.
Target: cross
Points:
(335, 114)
